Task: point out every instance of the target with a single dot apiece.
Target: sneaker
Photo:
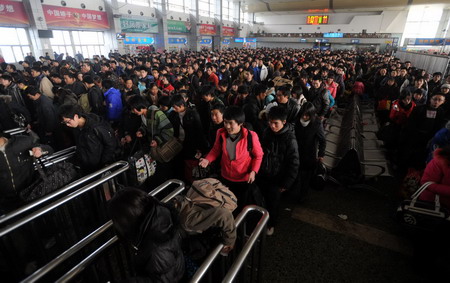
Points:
(270, 231)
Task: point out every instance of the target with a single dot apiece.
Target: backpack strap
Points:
(249, 141)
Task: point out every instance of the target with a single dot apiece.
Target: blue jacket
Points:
(114, 106)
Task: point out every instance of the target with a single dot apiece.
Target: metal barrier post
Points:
(88, 239)
(239, 262)
(207, 263)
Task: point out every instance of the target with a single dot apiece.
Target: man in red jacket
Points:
(213, 78)
(241, 155)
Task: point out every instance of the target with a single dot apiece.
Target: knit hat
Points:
(446, 86)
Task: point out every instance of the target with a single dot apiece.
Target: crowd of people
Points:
(253, 117)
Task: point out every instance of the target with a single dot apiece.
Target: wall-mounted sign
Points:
(317, 20)
(430, 41)
(139, 40)
(227, 31)
(250, 39)
(226, 41)
(239, 39)
(57, 16)
(333, 34)
(12, 13)
(141, 25)
(205, 41)
(207, 29)
(178, 26)
(120, 36)
(302, 39)
(177, 40)
(322, 40)
(355, 41)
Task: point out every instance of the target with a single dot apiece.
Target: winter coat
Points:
(45, 86)
(311, 143)
(113, 100)
(252, 107)
(281, 159)
(237, 170)
(158, 256)
(95, 143)
(16, 168)
(96, 100)
(399, 115)
(264, 73)
(292, 108)
(47, 117)
(194, 138)
(319, 98)
(160, 129)
(358, 88)
(332, 88)
(437, 171)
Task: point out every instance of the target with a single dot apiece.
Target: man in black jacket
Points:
(188, 129)
(280, 162)
(46, 124)
(16, 168)
(318, 96)
(285, 100)
(253, 105)
(95, 96)
(73, 85)
(94, 137)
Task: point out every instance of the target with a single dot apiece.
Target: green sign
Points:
(149, 25)
(178, 26)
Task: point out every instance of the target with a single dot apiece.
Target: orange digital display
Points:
(317, 20)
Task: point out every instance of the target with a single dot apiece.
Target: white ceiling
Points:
(317, 6)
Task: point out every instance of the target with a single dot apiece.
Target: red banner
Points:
(207, 29)
(75, 18)
(13, 13)
(227, 31)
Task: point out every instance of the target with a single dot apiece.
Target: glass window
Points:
(14, 44)
(8, 54)
(58, 38)
(422, 21)
(9, 36)
(139, 2)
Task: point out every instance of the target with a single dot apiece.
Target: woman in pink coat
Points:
(438, 171)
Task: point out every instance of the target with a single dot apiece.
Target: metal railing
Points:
(123, 166)
(59, 156)
(91, 237)
(15, 131)
(258, 233)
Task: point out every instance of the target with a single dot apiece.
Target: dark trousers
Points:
(240, 191)
(302, 184)
(272, 195)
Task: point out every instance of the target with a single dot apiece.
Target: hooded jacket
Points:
(311, 143)
(237, 170)
(281, 158)
(113, 100)
(158, 254)
(437, 171)
(319, 98)
(95, 143)
(16, 168)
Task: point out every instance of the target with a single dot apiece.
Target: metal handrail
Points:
(239, 262)
(64, 189)
(89, 238)
(254, 236)
(58, 156)
(64, 199)
(15, 131)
